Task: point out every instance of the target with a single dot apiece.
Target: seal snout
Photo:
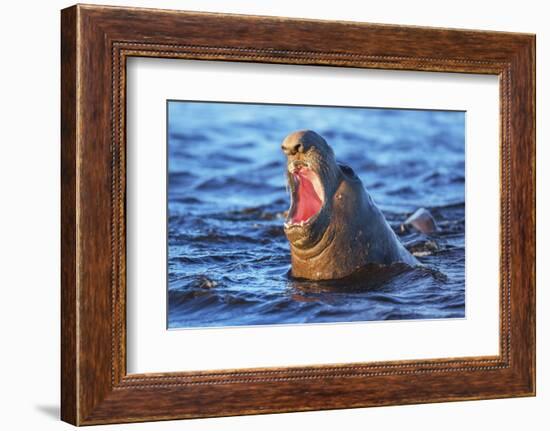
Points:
(291, 147)
(299, 142)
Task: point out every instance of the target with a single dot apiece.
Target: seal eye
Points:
(348, 171)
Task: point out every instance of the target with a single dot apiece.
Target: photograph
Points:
(283, 214)
(299, 213)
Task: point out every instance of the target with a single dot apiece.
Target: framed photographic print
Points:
(264, 214)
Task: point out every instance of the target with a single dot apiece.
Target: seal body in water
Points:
(333, 226)
(421, 220)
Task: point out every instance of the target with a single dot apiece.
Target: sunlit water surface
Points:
(228, 258)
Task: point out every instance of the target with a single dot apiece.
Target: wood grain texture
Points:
(96, 41)
(69, 366)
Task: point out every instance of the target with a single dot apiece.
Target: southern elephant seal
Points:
(333, 226)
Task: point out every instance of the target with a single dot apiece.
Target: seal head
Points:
(312, 175)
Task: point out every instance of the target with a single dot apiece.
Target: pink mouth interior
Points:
(308, 203)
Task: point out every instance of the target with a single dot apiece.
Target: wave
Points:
(228, 256)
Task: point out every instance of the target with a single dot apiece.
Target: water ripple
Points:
(228, 259)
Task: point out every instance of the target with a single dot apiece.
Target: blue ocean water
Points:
(228, 258)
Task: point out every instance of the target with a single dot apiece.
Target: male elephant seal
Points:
(334, 228)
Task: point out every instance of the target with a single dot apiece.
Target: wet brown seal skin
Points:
(334, 228)
(421, 220)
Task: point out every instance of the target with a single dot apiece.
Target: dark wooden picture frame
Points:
(96, 41)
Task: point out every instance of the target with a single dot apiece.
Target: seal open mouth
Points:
(307, 196)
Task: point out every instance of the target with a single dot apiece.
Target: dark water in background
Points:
(228, 258)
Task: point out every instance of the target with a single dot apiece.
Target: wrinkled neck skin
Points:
(349, 233)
